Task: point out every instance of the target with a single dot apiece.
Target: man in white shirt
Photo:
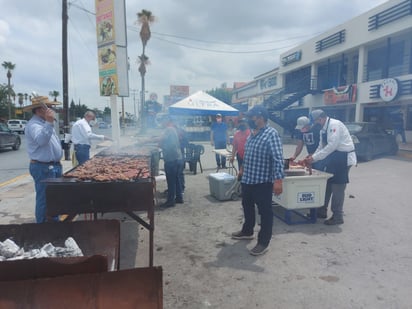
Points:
(82, 135)
(337, 149)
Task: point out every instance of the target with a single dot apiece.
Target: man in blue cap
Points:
(261, 176)
(219, 138)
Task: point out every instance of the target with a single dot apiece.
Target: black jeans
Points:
(261, 196)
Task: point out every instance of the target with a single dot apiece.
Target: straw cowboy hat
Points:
(40, 101)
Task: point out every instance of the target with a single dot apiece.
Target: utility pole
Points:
(65, 79)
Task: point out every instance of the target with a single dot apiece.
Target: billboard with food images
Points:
(112, 47)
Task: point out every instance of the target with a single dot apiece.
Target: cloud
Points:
(4, 31)
(197, 43)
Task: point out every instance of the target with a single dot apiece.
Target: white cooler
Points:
(222, 185)
(307, 191)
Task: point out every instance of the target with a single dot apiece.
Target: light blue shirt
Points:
(43, 144)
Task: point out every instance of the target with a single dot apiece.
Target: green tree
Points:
(3, 102)
(54, 94)
(9, 67)
(222, 94)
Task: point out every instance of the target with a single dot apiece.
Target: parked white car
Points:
(17, 125)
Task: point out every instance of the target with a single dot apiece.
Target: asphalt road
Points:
(15, 163)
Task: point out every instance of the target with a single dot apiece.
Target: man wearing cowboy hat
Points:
(44, 150)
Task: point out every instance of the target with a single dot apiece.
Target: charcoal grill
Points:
(123, 289)
(71, 196)
(100, 237)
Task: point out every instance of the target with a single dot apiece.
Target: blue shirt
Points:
(43, 143)
(219, 132)
(263, 161)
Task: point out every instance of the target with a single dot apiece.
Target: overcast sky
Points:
(201, 44)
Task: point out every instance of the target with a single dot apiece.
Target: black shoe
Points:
(259, 250)
(224, 166)
(333, 221)
(167, 205)
(241, 235)
(179, 201)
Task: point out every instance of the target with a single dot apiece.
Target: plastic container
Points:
(222, 186)
(307, 191)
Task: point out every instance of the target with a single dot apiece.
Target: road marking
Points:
(13, 180)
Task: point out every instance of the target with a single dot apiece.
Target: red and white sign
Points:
(389, 89)
(342, 94)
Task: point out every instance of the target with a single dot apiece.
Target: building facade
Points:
(360, 70)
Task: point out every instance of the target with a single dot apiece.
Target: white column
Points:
(115, 121)
(361, 66)
(314, 76)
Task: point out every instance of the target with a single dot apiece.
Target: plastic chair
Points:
(192, 156)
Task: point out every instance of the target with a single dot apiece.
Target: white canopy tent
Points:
(202, 104)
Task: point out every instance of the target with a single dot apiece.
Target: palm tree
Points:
(20, 96)
(144, 18)
(54, 94)
(9, 67)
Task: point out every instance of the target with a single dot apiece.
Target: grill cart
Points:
(301, 190)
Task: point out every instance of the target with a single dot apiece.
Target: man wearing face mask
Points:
(219, 138)
(82, 135)
(239, 141)
(337, 150)
(262, 175)
(309, 135)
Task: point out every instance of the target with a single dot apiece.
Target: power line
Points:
(132, 28)
(231, 43)
(226, 51)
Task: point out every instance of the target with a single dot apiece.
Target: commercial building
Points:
(360, 70)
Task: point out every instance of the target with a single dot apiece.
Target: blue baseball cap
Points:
(258, 110)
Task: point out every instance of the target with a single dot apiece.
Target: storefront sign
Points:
(388, 90)
(296, 56)
(343, 94)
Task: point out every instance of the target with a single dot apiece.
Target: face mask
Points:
(252, 124)
(242, 127)
(92, 123)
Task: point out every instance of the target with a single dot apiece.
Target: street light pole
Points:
(8, 92)
(65, 78)
(134, 91)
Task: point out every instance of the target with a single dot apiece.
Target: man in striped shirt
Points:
(261, 175)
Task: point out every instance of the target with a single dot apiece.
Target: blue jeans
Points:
(261, 195)
(39, 172)
(174, 183)
(82, 152)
